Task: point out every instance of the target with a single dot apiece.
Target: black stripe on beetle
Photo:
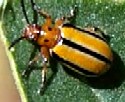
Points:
(84, 31)
(73, 66)
(85, 50)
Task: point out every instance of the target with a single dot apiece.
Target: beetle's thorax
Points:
(44, 36)
(49, 37)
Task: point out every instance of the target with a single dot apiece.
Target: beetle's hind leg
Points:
(98, 30)
(72, 13)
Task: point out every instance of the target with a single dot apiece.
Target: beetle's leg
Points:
(43, 80)
(45, 55)
(101, 32)
(37, 8)
(27, 71)
(94, 29)
(72, 14)
(44, 14)
(48, 21)
(98, 30)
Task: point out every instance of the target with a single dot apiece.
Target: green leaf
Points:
(109, 15)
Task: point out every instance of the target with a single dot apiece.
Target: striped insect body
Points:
(82, 50)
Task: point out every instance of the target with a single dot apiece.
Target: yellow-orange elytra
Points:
(82, 50)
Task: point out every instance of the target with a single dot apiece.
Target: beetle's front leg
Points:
(43, 79)
(45, 55)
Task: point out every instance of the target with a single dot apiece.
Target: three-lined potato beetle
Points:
(82, 50)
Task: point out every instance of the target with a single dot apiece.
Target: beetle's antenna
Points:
(27, 20)
(15, 41)
(24, 11)
(35, 14)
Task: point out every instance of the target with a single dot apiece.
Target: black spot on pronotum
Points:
(46, 40)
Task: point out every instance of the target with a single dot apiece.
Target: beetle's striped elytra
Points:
(82, 50)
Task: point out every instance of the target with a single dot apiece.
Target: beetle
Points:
(83, 50)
